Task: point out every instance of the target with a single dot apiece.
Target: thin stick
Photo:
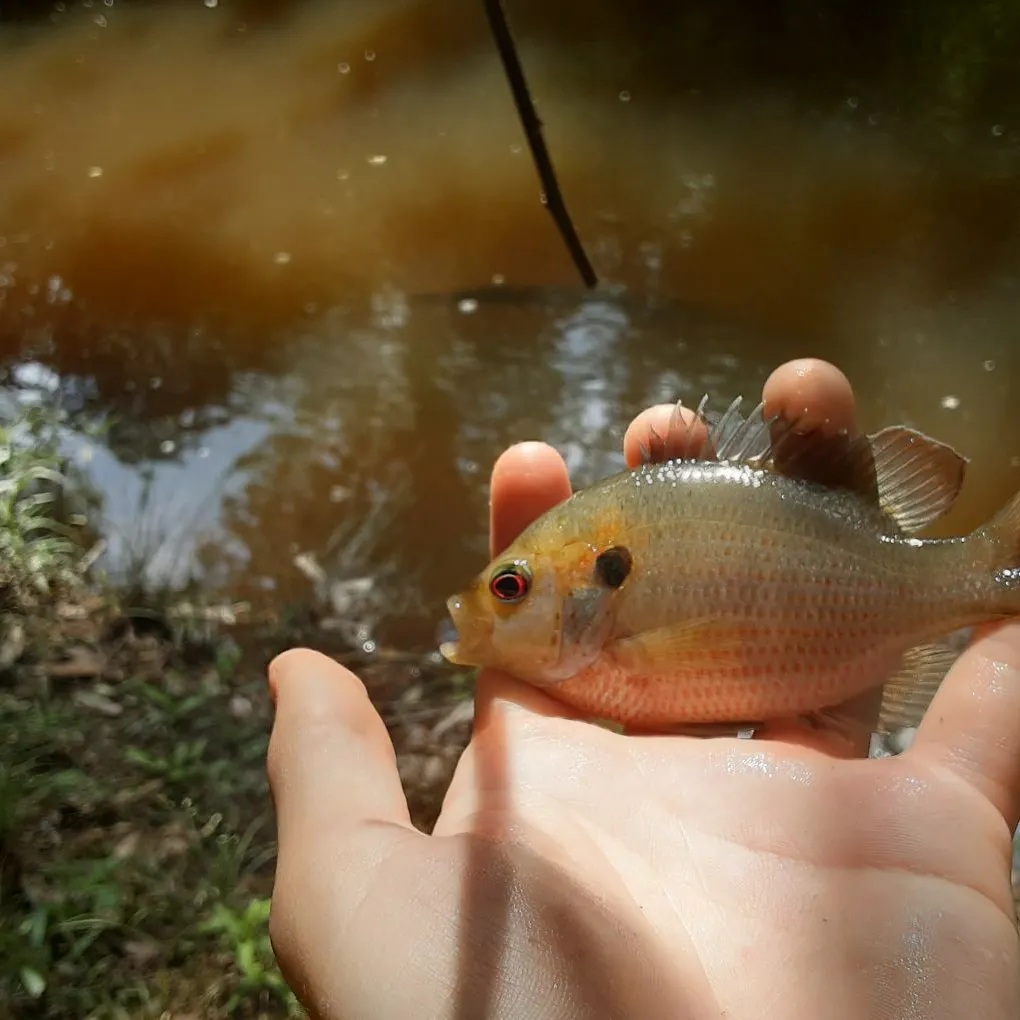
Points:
(552, 196)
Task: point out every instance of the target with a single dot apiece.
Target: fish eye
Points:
(511, 583)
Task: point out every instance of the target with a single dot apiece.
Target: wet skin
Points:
(575, 872)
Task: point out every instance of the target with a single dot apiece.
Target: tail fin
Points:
(1002, 533)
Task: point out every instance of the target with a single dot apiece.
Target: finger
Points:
(812, 393)
(481, 781)
(655, 435)
(331, 763)
(816, 738)
(972, 726)
(527, 480)
(497, 691)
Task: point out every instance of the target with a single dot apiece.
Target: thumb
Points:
(340, 809)
(972, 726)
(331, 764)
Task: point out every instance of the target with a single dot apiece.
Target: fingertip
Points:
(293, 661)
(327, 736)
(813, 393)
(653, 435)
(527, 480)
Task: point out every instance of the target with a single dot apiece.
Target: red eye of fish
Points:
(510, 584)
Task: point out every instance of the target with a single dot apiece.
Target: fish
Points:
(782, 579)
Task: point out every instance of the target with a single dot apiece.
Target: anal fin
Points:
(908, 693)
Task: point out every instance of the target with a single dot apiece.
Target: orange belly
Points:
(774, 687)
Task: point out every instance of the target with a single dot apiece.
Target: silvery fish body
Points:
(743, 590)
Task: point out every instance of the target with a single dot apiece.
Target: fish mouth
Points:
(464, 639)
(449, 633)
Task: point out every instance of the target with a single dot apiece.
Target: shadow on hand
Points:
(533, 942)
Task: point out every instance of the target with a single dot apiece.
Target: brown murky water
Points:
(294, 252)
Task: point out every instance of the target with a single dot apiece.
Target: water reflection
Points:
(291, 254)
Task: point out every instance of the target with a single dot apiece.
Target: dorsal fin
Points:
(913, 478)
(919, 478)
(731, 436)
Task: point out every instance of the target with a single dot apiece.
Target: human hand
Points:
(576, 872)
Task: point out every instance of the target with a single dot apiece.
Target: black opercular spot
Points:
(613, 566)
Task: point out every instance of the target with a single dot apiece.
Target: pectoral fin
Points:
(699, 644)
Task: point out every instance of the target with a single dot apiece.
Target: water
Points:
(292, 254)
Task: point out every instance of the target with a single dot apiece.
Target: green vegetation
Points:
(136, 830)
(36, 553)
(136, 842)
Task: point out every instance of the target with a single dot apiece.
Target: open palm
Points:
(577, 872)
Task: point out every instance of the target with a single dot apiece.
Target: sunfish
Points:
(780, 581)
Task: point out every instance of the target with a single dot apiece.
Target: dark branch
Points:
(552, 196)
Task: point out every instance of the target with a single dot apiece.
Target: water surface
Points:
(293, 254)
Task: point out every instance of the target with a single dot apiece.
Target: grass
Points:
(36, 551)
(136, 854)
(137, 837)
(137, 842)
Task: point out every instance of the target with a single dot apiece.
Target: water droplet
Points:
(342, 175)
(155, 383)
(997, 130)
(624, 96)
(377, 160)
(852, 103)
(100, 20)
(989, 365)
(203, 452)
(950, 402)
(282, 258)
(498, 279)
(343, 67)
(516, 149)
(167, 446)
(95, 171)
(370, 55)
(467, 306)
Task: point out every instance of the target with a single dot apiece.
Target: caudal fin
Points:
(1002, 533)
